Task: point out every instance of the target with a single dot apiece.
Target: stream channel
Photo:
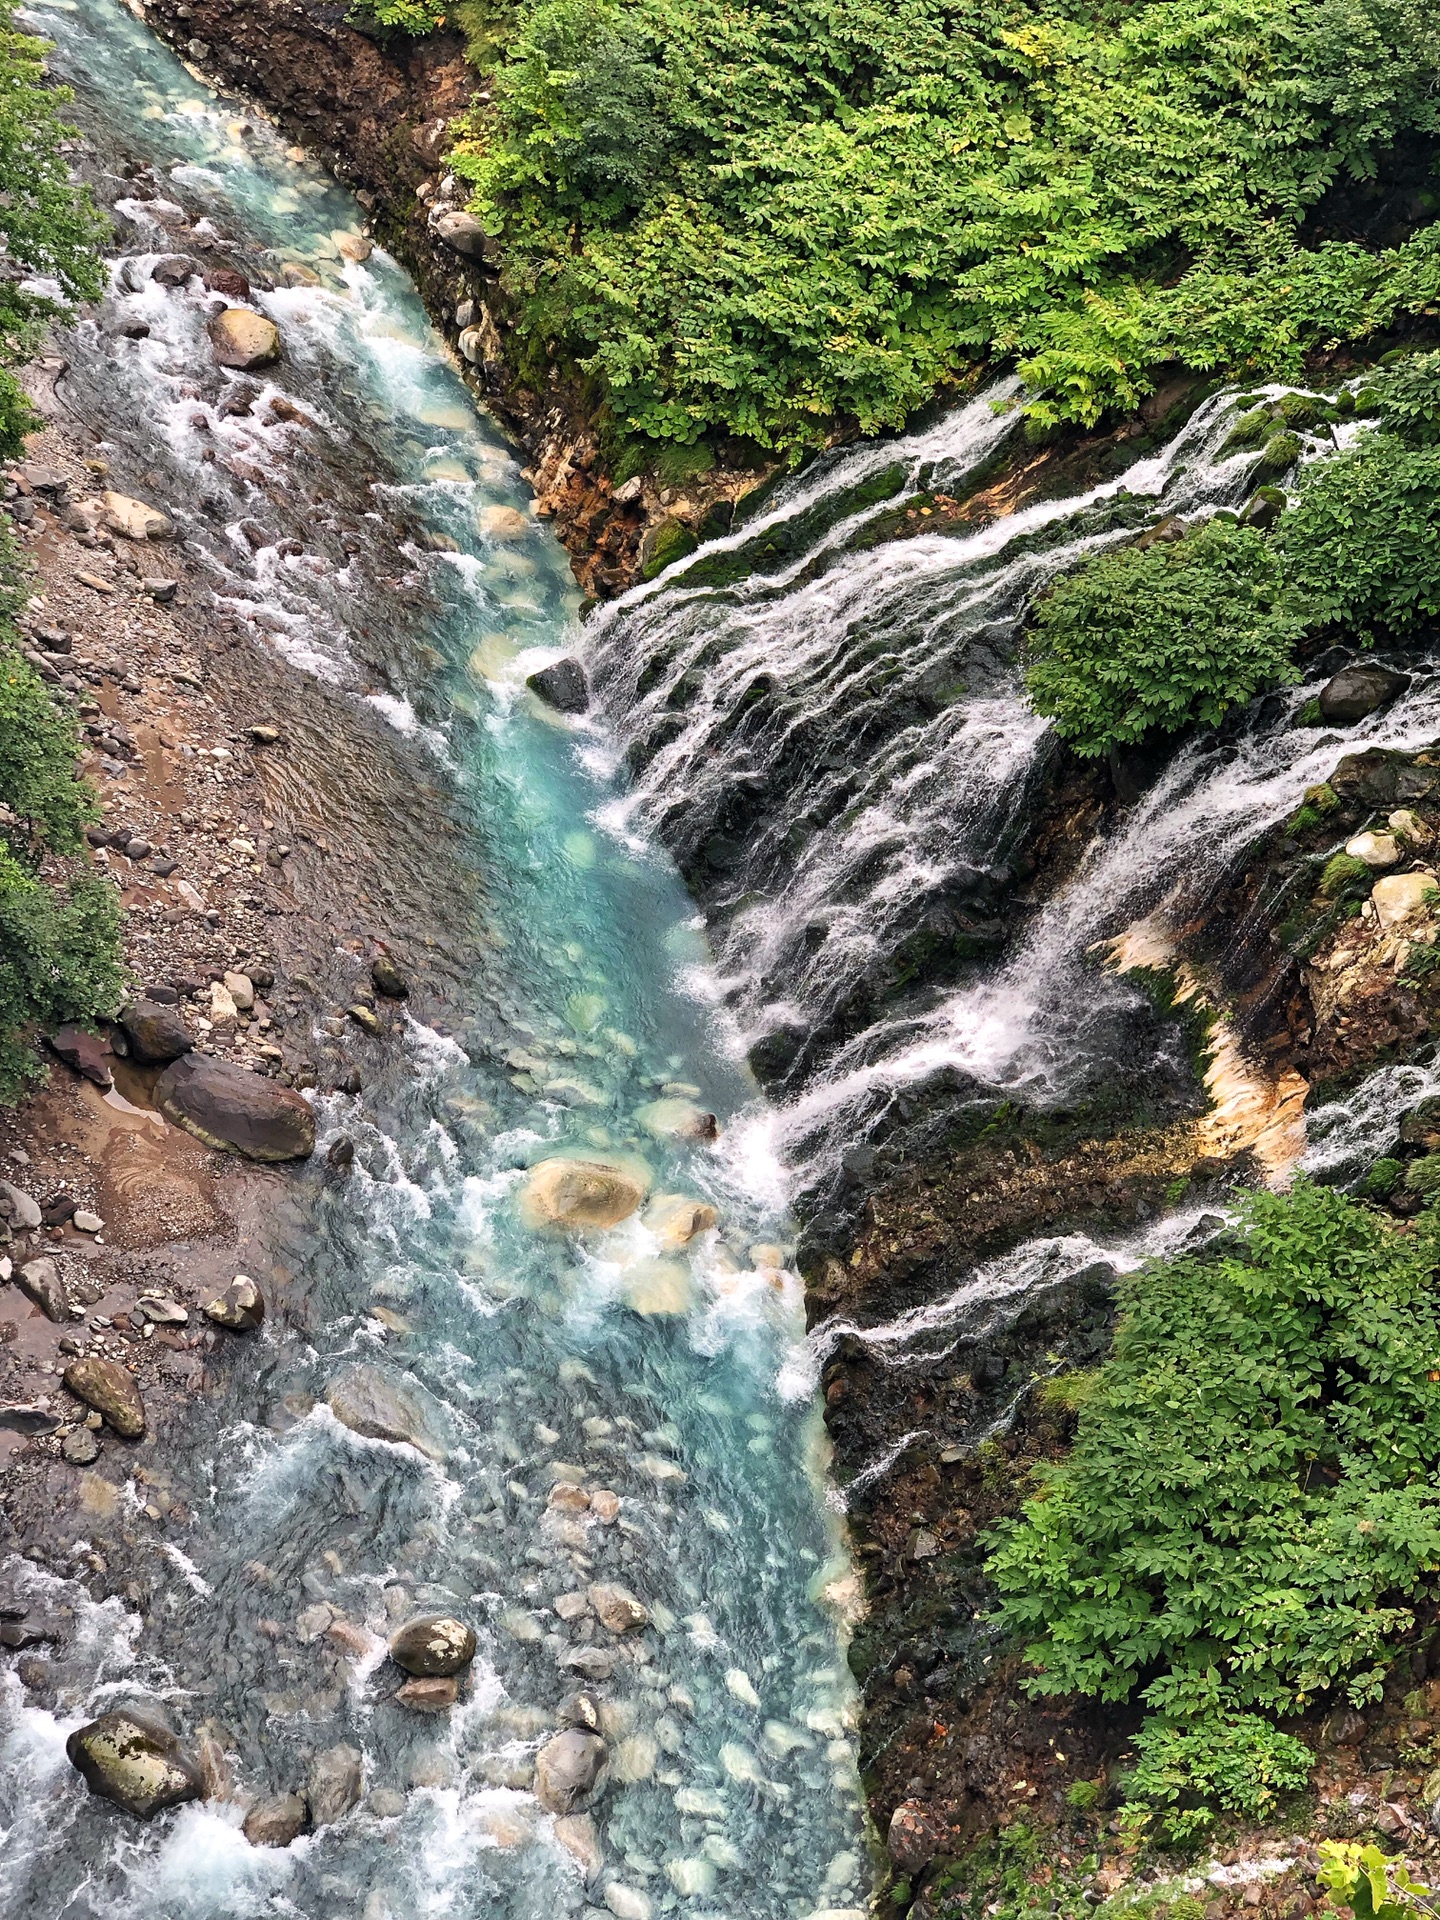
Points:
(672, 1376)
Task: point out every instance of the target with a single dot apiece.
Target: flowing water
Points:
(375, 530)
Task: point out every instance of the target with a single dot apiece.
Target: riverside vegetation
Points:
(59, 923)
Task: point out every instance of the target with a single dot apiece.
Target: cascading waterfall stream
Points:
(356, 514)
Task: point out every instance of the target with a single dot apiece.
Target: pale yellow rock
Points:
(1375, 849)
(675, 1219)
(503, 523)
(240, 338)
(241, 990)
(766, 1258)
(576, 1834)
(505, 1824)
(634, 1758)
(657, 1287)
(1410, 827)
(222, 1003)
(352, 246)
(1401, 896)
(133, 520)
(676, 1120)
(99, 1496)
(580, 1195)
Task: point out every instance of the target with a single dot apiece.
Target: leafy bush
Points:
(38, 748)
(59, 960)
(1359, 549)
(1407, 397)
(1252, 1499)
(1232, 1763)
(1161, 637)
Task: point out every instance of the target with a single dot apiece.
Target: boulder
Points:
(388, 979)
(435, 1645)
(241, 989)
(240, 338)
(157, 1034)
(1403, 896)
(87, 1053)
(1358, 691)
(1375, 849)
(675, 1219)
(276, 1821)
(570, 1771)
(336, 1778)
(174, 269)
(434, 1695)
(111, 1391)
(504, 523)
(227, 282)
(617, 1608)
(579, 1195)
(133, 520)
(19, 1209)
(914, 1837)
(228, 1106)
(674, 1119)
(241, 1307)
(464, 233)
(575, 1832)
(40, 1281)
(561, 685)
(378, 1408)
(656, 1288)
(134, 1759)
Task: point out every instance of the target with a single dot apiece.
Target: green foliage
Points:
(757, 218)
(1372, 1885)
(38, 748)
(1161, 637)
(59, 960)
(1252, 1501)
(1359, 549)
(1342, 870)
(1188, 1772)
(49, 227)
(1082, 1795)
(1407, 397)
(415, 17)
(1383, 1178)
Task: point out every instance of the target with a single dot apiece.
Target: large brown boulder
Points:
(570, 1771)
(336, 1779)
(229, 1107)
(111, 1391)
(134, 1759)
(277, 1821)
(240, 338)
(88, 1053)
(436, 1645)
(157, 1034)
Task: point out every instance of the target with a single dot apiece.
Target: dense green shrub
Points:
(1187, 1772)
(1253, 1498)
(1161, 636)
(38, 749)
(1407, 398)
(49, 226)
(754, 218)
(1358, 549)
(59, 960)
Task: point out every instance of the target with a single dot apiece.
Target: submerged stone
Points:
(570, 1771)
(581, 1195)
(378, 1408)
(276, 1821)
(336, 1778)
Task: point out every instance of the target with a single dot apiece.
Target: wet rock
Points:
(580, 1710)
(605, 1506)
(27, 1416)
(656, 1288)
(435, 1645)
(629, 1903)
(677, 1120)
(617, 1608)
(241, 1307)
(1375, 849)
(378, 1408)
(1356, 692)
(86, 1053)
(591, 1663)
(134, 520)
(135, 1760)
(107, 1387)
(579, 1195)
(503, 523)
(276, 1821)
(463, 233)
(334, 1786)
(240, 338)
(434, 1695)
(157, 1034)
(340, 1155)
(561, 685)
(675, 1219)
(226, 281)
(228, 1106)
(366, 1019)
(570, 1771)
(1403, 896)
(914, 1837)
(19, 1209)
(388, 979)
(174, 269)
(39, 1280)
(576, 1833)
(80, 1447)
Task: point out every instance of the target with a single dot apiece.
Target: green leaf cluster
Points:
(752, 219)
(1157, 637)
(1252, 1504)
(48, 226)
(1188, 1772)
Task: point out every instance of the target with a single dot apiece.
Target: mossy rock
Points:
(1248, 431)
(1264, 507)
(1310, 715)
(1423, 1176)
(1303, 410)
(1279, 453)
(664, 545)
(1383, 1178)
(1342, 870)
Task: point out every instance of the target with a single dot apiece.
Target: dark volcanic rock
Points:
(277, 1821)
(1356, 692)
(562, 685)
(229, 1107)
(135, 1760)
(86, 1052)
(157, 1033)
